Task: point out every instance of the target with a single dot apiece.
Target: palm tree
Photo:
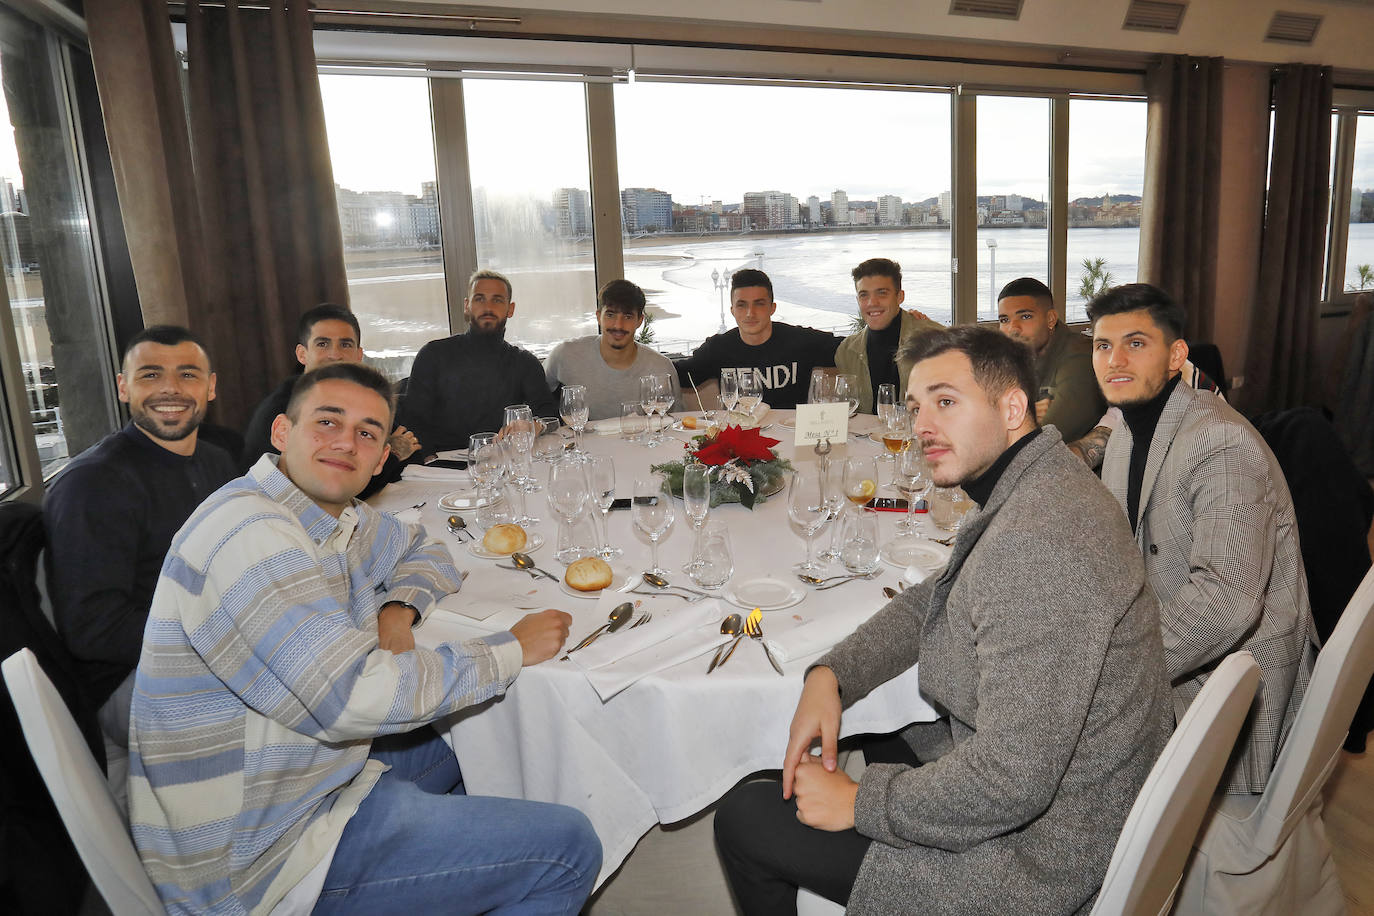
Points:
(1096, 278)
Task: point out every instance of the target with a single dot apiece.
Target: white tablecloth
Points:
(673, 743)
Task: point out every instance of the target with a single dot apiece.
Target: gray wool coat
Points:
(1220, 541)
(1040, 642)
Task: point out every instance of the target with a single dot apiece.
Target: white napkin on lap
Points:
(428, 472)
(676, 634)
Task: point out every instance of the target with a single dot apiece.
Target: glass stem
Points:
(606, 528)
(653, 554)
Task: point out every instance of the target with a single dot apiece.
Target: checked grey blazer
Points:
(1220, 543)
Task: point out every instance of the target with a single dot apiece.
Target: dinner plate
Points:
(533, 543)
(620, 577)
(905, 552)
(767, 593)
(462, 500)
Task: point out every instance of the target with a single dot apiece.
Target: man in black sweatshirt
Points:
(111, 514)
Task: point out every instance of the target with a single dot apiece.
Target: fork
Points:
(753, 626)
(821, 588)
(944, 542)
(641, 621)
(659, 591)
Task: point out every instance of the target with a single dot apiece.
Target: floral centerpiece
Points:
(744, 467)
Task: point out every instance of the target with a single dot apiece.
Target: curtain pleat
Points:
(1281, 361)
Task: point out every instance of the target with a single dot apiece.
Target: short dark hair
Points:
(1027, 286)
(326, 311)
(751, 277)
(167, 335)
(357, 373)
(1168, 315)
(879, 267)
(622, 294)
(999, 362)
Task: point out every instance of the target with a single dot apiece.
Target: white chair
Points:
(1147, 863)
(78, 789)
(1269, 854)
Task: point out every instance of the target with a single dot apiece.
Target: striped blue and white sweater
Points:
(261, 686)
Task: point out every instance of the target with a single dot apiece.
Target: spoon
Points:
(523, 561)
(619, 614)
(457, 527)
(730, 626)
(658, 581)
(817, 580)
(889, 592)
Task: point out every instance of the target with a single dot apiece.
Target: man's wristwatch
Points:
(413, 609)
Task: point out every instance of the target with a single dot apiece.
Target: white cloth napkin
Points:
(445, 626)
(813, 636)
(607, 427)
(486, 598)
(617, 660)
(428, 472)
(914, 575)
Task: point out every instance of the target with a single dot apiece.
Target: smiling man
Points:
(782, 354)
(280, 679)
(1052, 686)
(1213, 519)
(871, 354)
(110, 515)
(461, 385)
(609, 364)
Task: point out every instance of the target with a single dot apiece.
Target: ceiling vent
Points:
(988, 9)
(1293, 28)
(1154, 16)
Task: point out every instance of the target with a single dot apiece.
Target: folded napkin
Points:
(607, 427)
(485, 597)
(428, 472)
(445, 626)
(816, 635)
(915, 575)
(676, 634)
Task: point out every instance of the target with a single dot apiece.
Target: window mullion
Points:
(964, 225)
(457, 225)
(1058, 221)
(608, 247)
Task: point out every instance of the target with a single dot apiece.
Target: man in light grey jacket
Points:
(1041, 643)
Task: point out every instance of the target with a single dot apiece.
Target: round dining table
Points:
(641, 747)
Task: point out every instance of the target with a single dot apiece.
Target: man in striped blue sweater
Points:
(275, 762)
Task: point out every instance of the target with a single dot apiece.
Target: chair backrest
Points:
(1309, 754)
(78, 788)
(1158, 835)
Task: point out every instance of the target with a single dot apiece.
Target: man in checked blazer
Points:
(1213, 518)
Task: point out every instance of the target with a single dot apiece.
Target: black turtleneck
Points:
(882, 354)
(1142, 420)
(981, 487)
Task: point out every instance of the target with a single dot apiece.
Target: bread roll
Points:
(689, 422)
(589, 574)
(504, 539)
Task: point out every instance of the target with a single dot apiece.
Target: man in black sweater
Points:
(326, 334)
(111, 514)
(462, 384)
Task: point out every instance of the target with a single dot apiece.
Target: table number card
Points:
(821, 421)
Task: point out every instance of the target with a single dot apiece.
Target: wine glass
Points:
(886, 400)
(572, 406)
(664, 402)
(549, 443)
(847, 389)
(696, 501)
(487, 462)
(821, 390)
(896, 434)
(518, 446)
(860, 478)
(806, 508)
(913, 480)
(859, 551)
(601, 476)
(834, 503)
(750, 390)
(729, 391)
(569, 499)
(655, 395)
(653, 513)
(518, 427)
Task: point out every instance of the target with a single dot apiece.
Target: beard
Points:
(146, 420)
(496, 330)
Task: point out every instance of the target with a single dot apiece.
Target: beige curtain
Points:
(1178, 236)
(1282, 357)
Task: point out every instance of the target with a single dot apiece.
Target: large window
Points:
(802, 182)
(1013, 193)
(1359, 252)
(381, 146)
(531, 202)
(1106, 181)
(55, 305)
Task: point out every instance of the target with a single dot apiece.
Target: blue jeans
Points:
(417, 844)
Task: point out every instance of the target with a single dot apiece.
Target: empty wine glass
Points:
(652, 506)
(806, 508)
(653, 389)
(859, 547)
(696, 501)
(519, 428)
(913, 481)
(716, 563)
(847, 389)
(487, 462)
(572, 406)
(601, 476)
(518, 445)
(821, 390)
(833, 482)
(729, 391)
(750, 390)
(569, 500)
(885, 400)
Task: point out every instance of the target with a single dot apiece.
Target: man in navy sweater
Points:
(111, 513)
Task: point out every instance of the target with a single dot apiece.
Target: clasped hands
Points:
(825, 794)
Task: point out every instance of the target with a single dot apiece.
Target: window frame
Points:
(1348, 106)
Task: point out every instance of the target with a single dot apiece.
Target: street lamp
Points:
(720, 282)
(992, 282)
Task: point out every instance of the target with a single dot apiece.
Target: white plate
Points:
(462, 500)
(533, 543)
(905, 552)
(767, 593)
(620, 577)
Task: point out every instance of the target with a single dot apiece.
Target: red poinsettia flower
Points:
(732, 442)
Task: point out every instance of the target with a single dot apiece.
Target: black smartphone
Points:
(454, 463)
(621, 503)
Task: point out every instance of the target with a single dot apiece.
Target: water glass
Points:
(696, 501)
(912, 481)
(947, 508)
(633, 423)
(652, 508)
(569, 500)
(572, 406)
(715, 563)
(859, 544)
(549, 444)
(601, 479)
(806, 507)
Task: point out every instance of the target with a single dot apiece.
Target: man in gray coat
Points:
(1213, 520)
(1040, 642)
